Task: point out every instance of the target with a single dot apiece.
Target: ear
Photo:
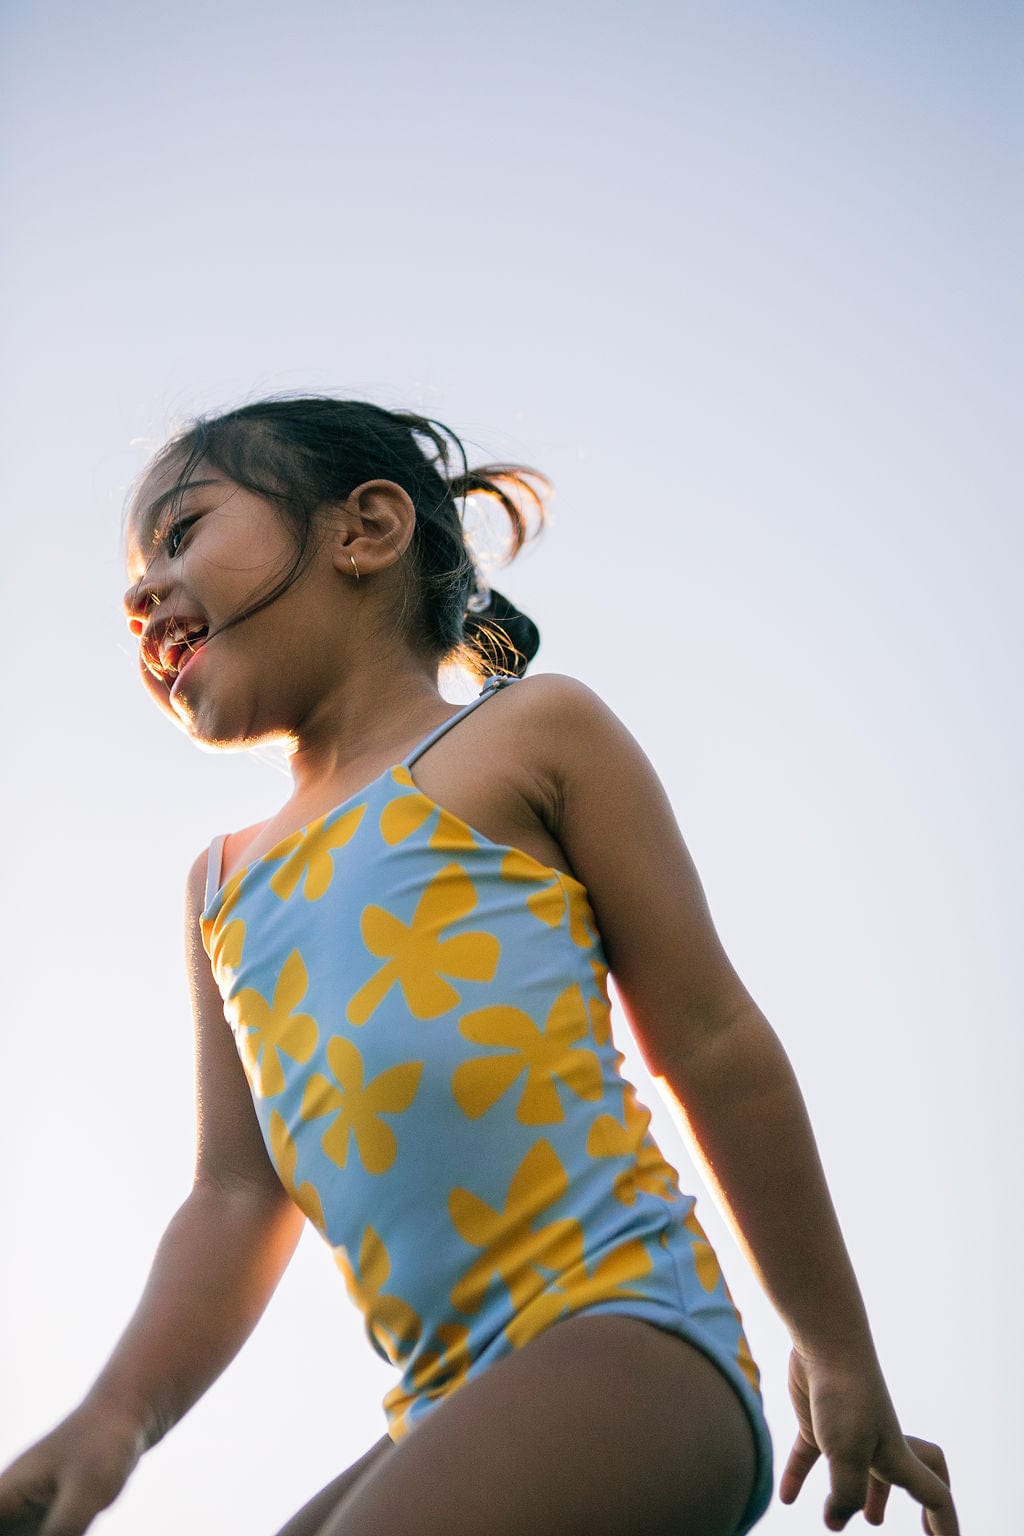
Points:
(374, 526)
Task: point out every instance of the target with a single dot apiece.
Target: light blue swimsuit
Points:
(423, 1019)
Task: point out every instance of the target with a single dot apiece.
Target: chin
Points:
(213, 734)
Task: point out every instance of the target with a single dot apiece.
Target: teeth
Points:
(176, 639)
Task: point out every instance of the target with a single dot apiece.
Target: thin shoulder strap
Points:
(214, 861)
(492, 685)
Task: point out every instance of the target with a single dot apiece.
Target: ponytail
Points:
(496, 635)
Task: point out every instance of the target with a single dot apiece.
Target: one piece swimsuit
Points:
(423, 1018)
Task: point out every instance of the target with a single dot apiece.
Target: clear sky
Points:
(744, 279)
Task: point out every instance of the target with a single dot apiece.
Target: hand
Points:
(845, 1414)
(59, 1486)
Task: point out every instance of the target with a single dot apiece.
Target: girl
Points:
(412, 957)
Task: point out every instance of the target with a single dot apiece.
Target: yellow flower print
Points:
(308, 854)
(542, 1054)
(648, 1170)
(599, 1007)
(391, 1321)
(514, 1251)
(284, 1155)
(229, 950)
(653, 1173)
(358, 1110)
(435, 1375)
(439, 1374)
(224, 940)
(418, 958)
(556, 901)
(609, 1280)
(273, 1030)
(405, 814)
(611, 1276)
(704, 1260)
(710, 1276)
(745, 1361)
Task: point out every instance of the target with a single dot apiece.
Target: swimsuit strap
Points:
(492, 685)
(214, 861)
(215, 853)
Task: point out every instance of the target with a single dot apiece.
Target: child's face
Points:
(195, 563)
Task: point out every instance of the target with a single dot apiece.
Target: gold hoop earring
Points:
(354, 566)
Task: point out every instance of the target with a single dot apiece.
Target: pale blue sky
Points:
(744, 280)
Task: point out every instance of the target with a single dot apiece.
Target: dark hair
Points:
(309, 452)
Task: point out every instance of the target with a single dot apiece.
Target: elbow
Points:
(260, 1201)
(734, 1051)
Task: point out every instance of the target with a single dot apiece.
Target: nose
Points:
(139, 602)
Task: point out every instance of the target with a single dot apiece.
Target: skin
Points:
(542, 767)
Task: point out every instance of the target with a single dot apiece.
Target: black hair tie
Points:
(505, 639)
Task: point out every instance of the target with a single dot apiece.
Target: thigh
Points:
(311, 1517)
(602, 1426)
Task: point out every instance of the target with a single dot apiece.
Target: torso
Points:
(419, 1001)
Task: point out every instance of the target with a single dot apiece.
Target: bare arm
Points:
(214, 1272)
(701, 1032)
(225, 1249)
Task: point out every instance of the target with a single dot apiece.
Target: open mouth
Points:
(179, 643)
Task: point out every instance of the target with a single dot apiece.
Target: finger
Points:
(931, 1455)
(878, 1497)
(928, 1487)
(801, 1459)
(939, 1519)
(849, 1490)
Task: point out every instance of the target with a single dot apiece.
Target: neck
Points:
(368, 720)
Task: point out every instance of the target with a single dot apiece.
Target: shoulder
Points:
(553, 690)
(565, 750)
(562, 726)
(553, 702)
(233, 843)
